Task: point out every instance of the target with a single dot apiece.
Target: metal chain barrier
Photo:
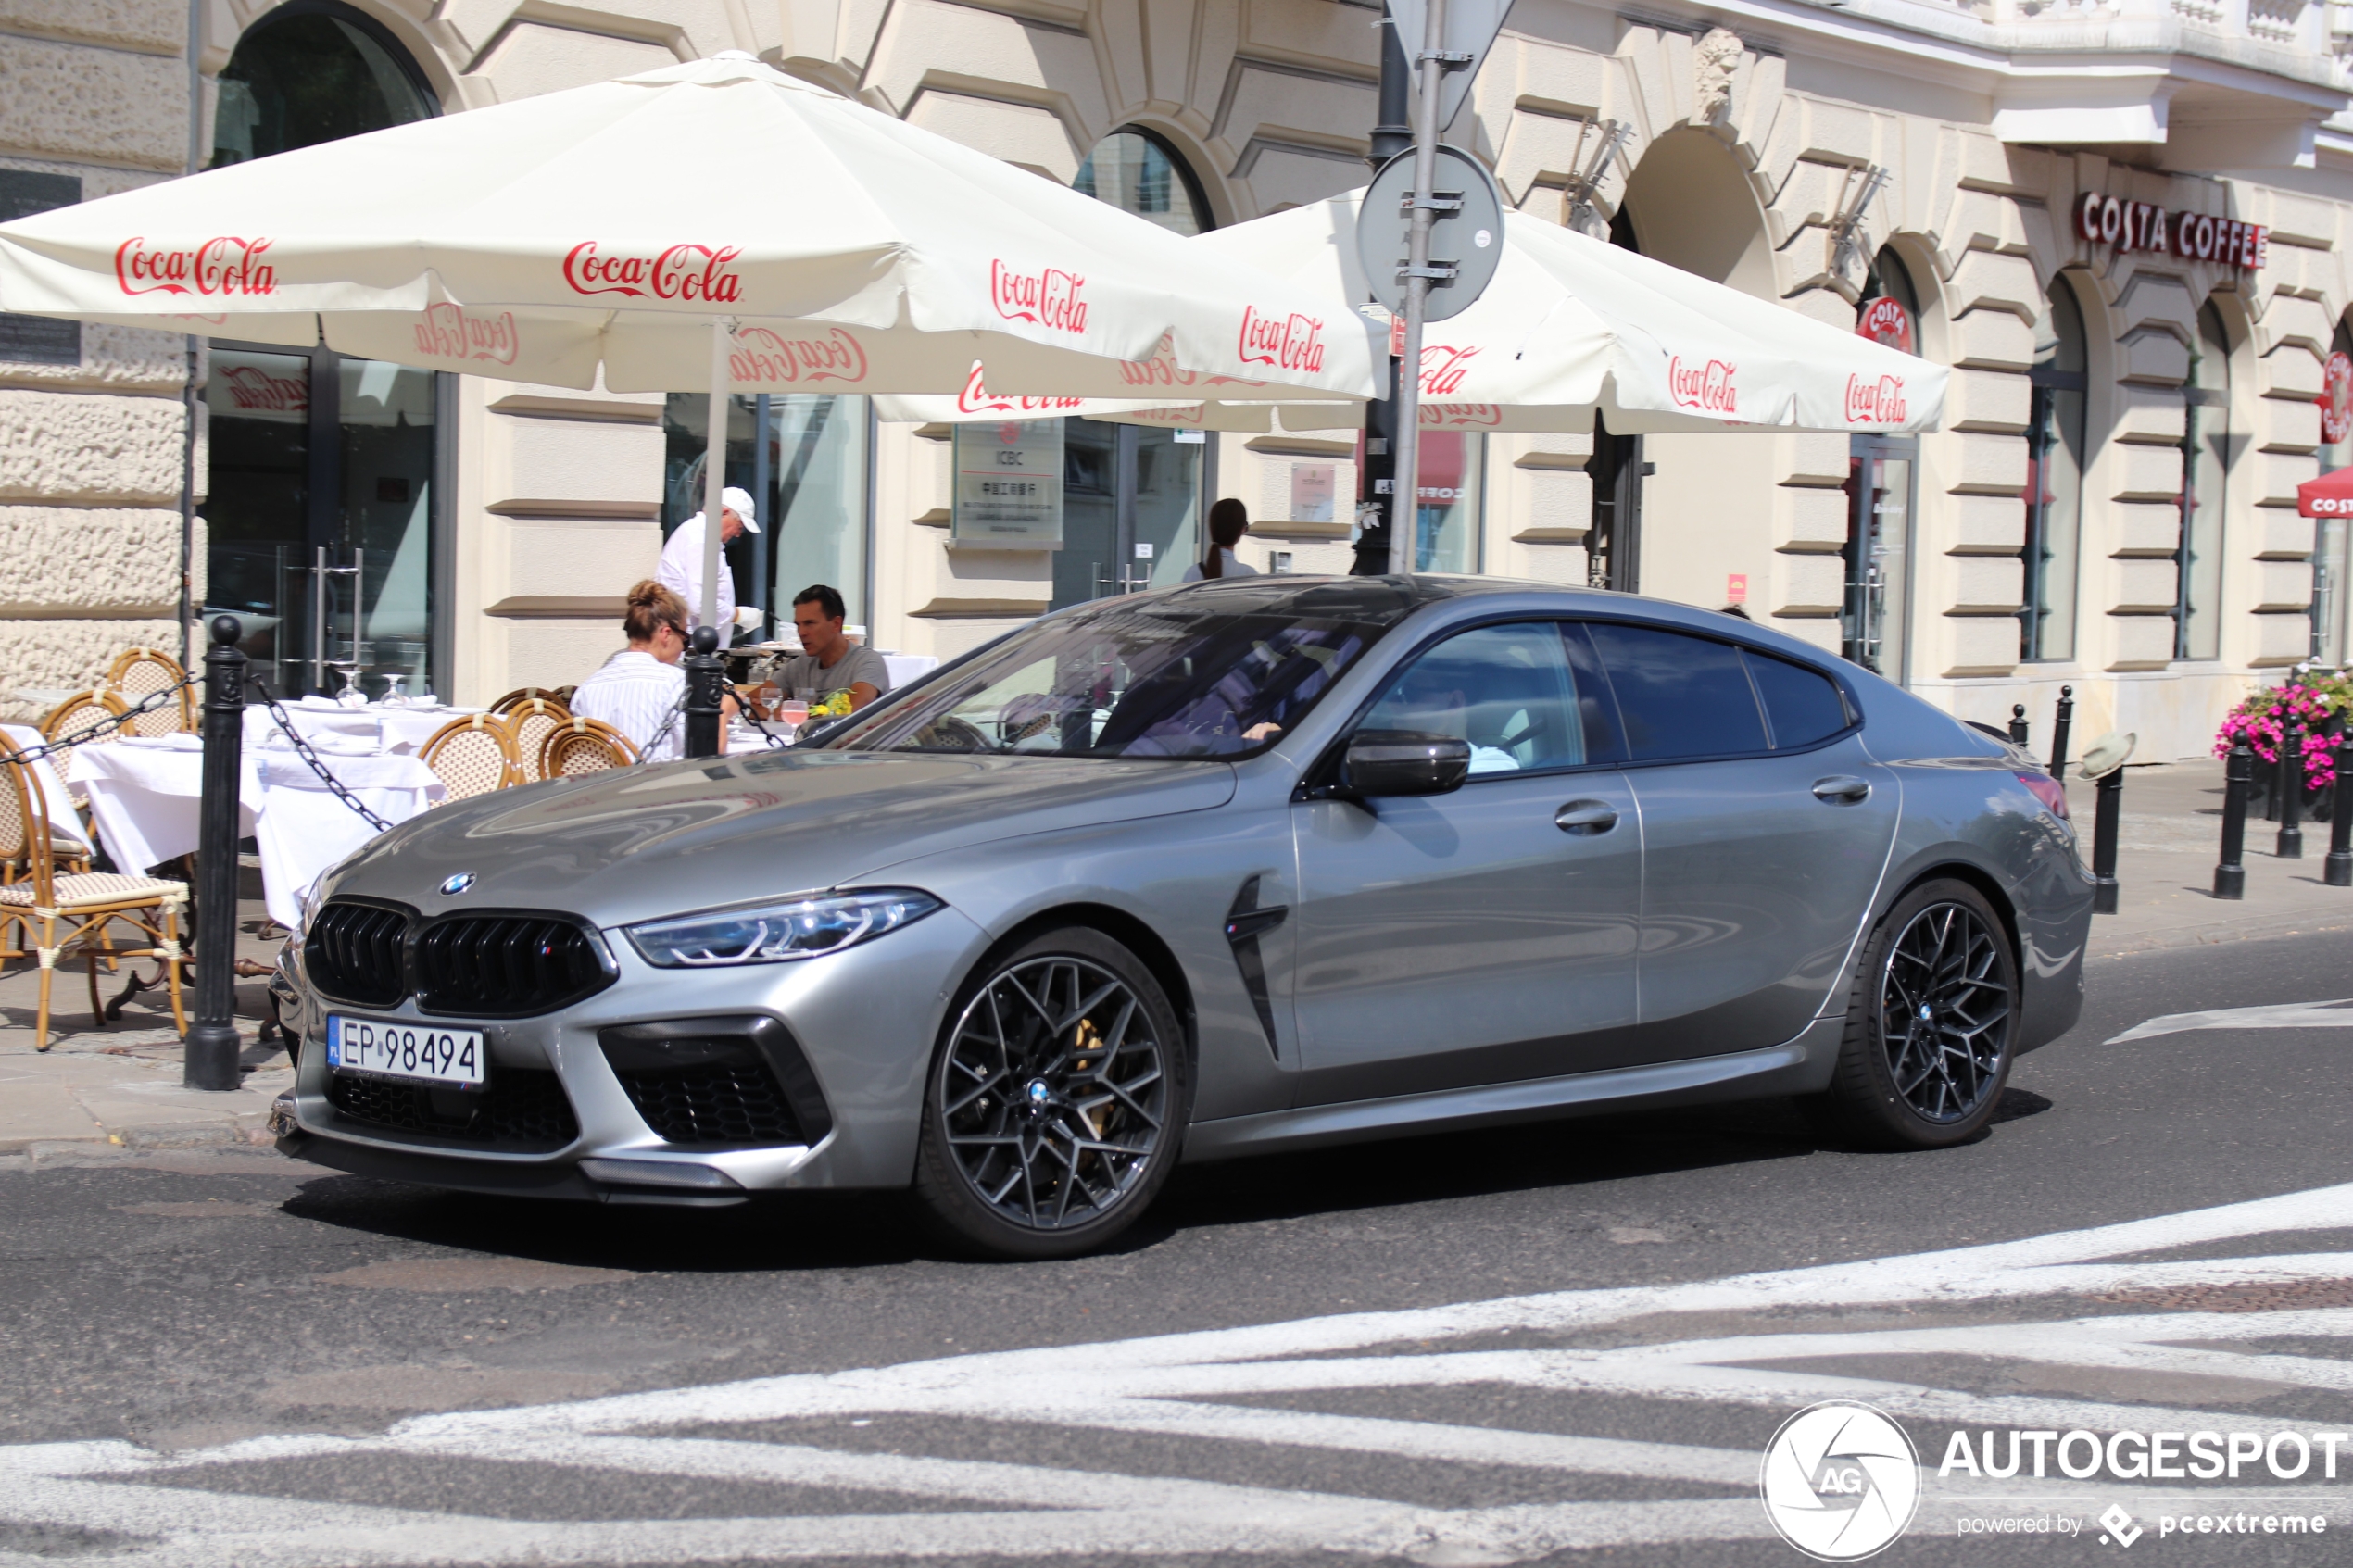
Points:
(302, 749)
(106, 725)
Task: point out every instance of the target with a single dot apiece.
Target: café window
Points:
(2206, 449)
(313, 71)
(2055, 440)
(1453, 464)
(1137, 171)
(807, 468)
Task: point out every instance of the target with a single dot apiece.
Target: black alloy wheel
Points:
(1927, 1047)
(1056, 1102)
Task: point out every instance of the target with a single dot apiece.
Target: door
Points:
(1874, 628)
(1488, 934)
(1764, 830)
(1131, 505)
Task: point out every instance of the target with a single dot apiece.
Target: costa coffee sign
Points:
(1051, 297)
(450, 331)
(975, 399)
(223, 265)
(1885, 319)
(688, 273)
(1877, 402)
(1709, 388)
(1289, 342)
(2194, 236)
(2336, 400)
(761, 355)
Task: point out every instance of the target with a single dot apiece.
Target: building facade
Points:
(2123, 225)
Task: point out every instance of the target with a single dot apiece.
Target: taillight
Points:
(2049, 791)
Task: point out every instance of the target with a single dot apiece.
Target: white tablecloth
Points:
(401, 730)
(144, 797)
(65, 821)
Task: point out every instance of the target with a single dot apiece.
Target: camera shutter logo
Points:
(1840, 1481)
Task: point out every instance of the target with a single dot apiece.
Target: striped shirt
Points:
(634, 692)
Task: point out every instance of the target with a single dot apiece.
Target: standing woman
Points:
(1228, 521)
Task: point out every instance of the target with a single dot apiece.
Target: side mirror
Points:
(1404, 762)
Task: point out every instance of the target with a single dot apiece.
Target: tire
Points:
(1943, 947)
(1057, 1099)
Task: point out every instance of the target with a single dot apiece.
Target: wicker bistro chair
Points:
(472, 756)
(532, 721)
(79, 713)
(142, 672)
(581, 746)
(74, 914)
(522, 695)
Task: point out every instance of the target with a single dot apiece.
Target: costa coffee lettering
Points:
(761, 356)
(1051, 297)
(688, 273)
(255, 390)
(223, 265)
(1291, 343)
(2195, 236)
(1443, 367)
(1706, 387)
(1877, 402)
(450, 332)
(975, 399)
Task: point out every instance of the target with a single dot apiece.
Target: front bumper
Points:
(863, 1022)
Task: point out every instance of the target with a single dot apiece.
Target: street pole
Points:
(2290, 842)
(209, 1058)
(2061, 726)
(2337, 869)
(714, 478)
(2238, 775)
(705, 674)
(2107, 811)
(1404, 494)
(1392, 136)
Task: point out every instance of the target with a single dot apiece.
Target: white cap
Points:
(738, 500)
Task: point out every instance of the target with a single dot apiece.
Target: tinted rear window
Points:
(1803, 705)
(1679, 695)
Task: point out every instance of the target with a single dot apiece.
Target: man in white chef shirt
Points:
(680, 567)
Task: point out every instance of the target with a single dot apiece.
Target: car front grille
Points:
(523, 1110)
(505, 965)
(353, 953)
(737, 1102)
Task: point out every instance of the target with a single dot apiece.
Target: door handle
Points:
(1842, 789)
(1586, 818)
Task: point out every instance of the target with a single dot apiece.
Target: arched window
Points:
(2206, 470)
(1138, 172)
(2055, 456)
(311, 71)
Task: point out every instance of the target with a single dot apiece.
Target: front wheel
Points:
(1927, 1047)
(1056, 1100)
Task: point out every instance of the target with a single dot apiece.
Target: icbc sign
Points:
(2336, 400)
(2194, 236)
(688, 273)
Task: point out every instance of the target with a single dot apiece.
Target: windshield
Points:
(1219, 670)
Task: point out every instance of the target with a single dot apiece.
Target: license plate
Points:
(405, 1050)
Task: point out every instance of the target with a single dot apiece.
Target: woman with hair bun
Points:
(1228, 521)
(638, 690)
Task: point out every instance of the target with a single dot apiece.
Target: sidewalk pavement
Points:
(119, 1087)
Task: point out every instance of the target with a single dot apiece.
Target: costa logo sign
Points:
(1877, 402)
(2336, 400)
(1885, 319)
(253, 390)
(685, 272)
(763, 356)
(1444, 368)
(1051, 297)
(1706, 387)
(450, 332)
(1460, 416)
(1291, 343)
(223, 265)
(2194, 236)
(976, 399)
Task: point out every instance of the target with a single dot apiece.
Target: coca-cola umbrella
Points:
(715, 225)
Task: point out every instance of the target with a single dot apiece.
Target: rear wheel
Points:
(1056, 1101)
(1927, 1047)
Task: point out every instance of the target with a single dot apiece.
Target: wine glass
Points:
(394, 697)
(352, 696)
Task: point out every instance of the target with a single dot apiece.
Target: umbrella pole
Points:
(1405, 487)
(704, 668)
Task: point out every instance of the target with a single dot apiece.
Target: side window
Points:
(1505, 689)
(1802, 705)
(1679, 695)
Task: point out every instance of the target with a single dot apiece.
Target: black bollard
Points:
(208, 1060)
(2107, 813)
(706, 674)
(2061, 726)
(2291, 772)
(2017, 723)
(2238, 777)
(2337, 869)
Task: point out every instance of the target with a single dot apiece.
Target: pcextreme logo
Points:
(1840, 1481)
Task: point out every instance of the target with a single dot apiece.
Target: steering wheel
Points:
(948, 732)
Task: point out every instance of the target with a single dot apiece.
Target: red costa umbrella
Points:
(2329, 495)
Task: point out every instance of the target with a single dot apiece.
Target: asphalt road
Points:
(1568, 1343)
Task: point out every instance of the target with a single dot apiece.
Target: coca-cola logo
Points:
(1189, 416)
(1461, 416)
(1050, 297)
(255, 390)
(1161, 370)
(761, 355)
(1291, 343)
(1885, 319)
(978, 399)
(2336, 398)
(701, 274)
(1443, 367)
(450, 332)
(1706, 387)
(1877, 402)
(223, 265)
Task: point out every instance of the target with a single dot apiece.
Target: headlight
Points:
(801, 928)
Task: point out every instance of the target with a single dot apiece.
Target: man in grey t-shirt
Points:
(829, 661)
